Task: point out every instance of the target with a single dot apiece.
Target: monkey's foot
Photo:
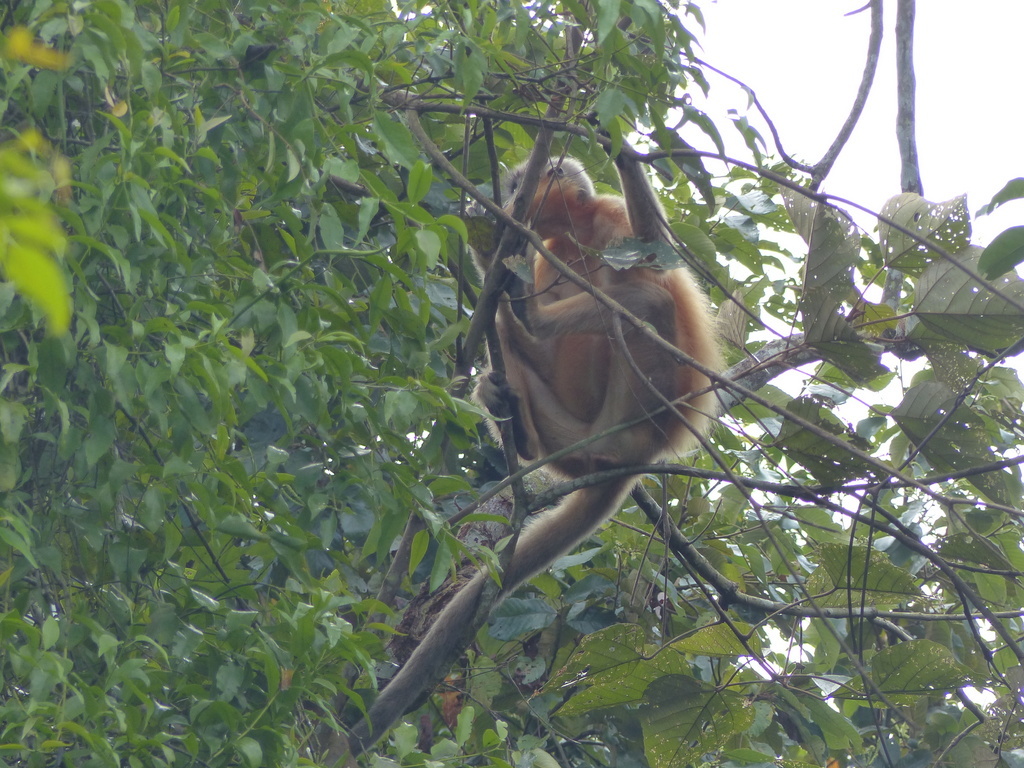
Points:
(496, 395)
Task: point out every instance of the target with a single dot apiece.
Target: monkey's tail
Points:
(553, 534)
(424, 667)
(558, 530)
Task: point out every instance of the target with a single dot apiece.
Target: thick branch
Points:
(910, 171)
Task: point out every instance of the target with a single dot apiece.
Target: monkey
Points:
(568, 379)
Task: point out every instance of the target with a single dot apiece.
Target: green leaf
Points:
(470, 68)
(397, 142)
(519, 616)
(100, 439)
(250, 751)
(1013, 190)
(719, 640)
(16, 535)
(35, 274)
(50, 632)
(946, 224)
(610, 105)
(430, 245)
(833, 250)
(919, 667)
(421, 176)
(464, 725)
(603, 661)
(828, 460)
(420, 543)
(12, 421)
(1004, 253)
(954, 438)
(954, 306)
(870, 575)
(237, 525)
(607, 18)
(683, 719)
(696, 241)
(840, 734)
(613, 667)
(980, 550)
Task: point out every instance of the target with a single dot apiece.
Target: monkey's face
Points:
(561, 200)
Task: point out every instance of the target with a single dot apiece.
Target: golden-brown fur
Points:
(568, 379)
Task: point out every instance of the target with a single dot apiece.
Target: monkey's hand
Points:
(495, 394)
(519, 291)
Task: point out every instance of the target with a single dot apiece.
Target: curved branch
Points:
(823, 166)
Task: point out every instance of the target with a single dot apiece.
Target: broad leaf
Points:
(519, 616)
(832, 251)
(718, 640)
(683, 719)
(1014, 190)
(954, 306)
(916, 667)
(827, 459)
(849, 574)
(1004, 253)
(952, 437)
(606, 665)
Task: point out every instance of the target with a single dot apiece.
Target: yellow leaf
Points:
(22, 46)
(118, 108)
(35, 275)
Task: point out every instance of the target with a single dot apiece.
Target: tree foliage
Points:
(220, 486)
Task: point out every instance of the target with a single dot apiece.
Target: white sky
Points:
(804, 59)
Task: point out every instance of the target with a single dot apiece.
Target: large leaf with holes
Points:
(969, 547)
(613, 667)
(832, 250)
(828, 460)
(719, 640)
(606, 667)
(919, 223)
(954, 438)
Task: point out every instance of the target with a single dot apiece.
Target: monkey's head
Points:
(561, 193)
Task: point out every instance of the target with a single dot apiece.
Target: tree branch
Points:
(910, 171)
(823, 166)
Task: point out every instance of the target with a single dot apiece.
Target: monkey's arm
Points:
(646, 215)
(583, 313)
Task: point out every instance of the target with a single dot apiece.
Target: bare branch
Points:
(823, 166)
(910, 171)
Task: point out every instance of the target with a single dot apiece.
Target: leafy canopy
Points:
(234, 335)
